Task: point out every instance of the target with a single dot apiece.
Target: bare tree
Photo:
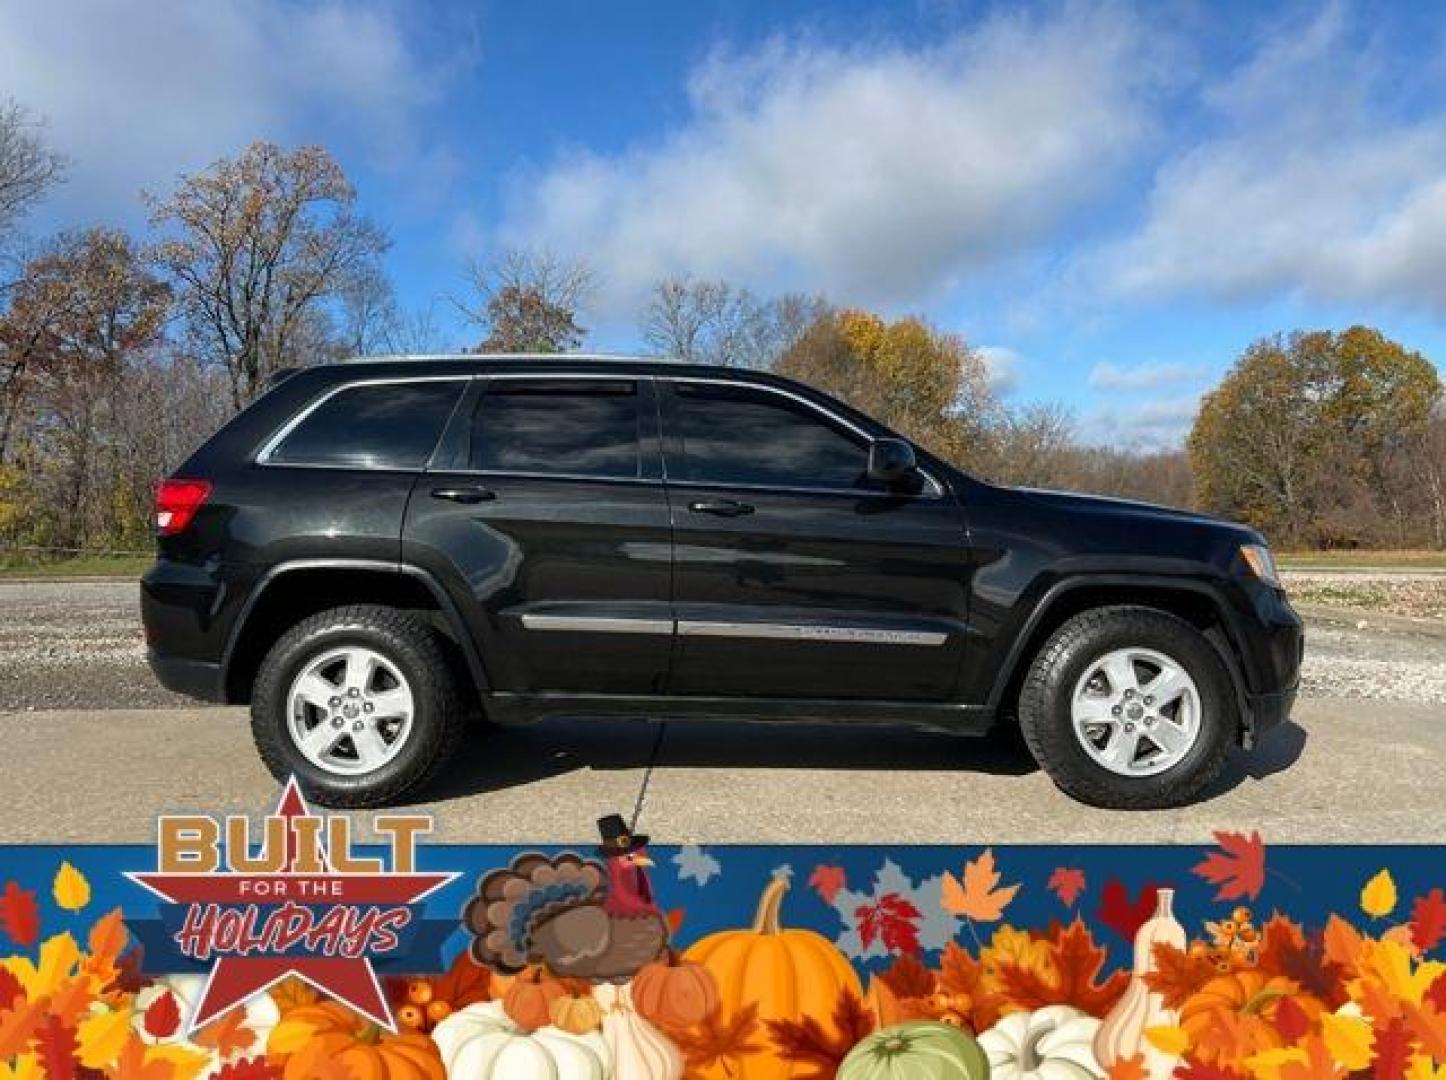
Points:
(372, 323)
(527, 301)
(28, 167)
(261, 244)
(712, 322)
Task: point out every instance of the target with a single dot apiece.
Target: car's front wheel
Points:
(1129, 708)
(359, 703)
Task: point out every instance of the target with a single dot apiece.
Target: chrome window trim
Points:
(263, 456)
(936, 488)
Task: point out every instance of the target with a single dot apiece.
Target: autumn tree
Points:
(259, 246)
(528, 302)
(713, 322)
(922, 382)
(83, 311)
(28, 166)
(1298, 439)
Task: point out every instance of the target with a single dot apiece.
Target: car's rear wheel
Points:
(1129, 708)
(359, 703)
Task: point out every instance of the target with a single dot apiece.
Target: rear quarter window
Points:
(378, 426)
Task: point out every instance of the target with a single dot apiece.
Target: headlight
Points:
(1261, 563)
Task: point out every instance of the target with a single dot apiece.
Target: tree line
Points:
(119, 353)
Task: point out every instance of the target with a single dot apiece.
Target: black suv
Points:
(375, 551)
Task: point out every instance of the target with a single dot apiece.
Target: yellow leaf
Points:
(289, 1036)
(58, 957)
(978, 897)
(1267, 1064)
(72, 891)
(1171, 1041)
(102, 1037)
(186, 1064)
(1421, 1068)
(1378, 898)
(1392, 965)
(27, 1067)
(1348, 1040)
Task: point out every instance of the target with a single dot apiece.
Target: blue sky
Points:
(1110, 200)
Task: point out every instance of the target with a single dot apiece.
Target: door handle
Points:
(721, 507)
(470, 493)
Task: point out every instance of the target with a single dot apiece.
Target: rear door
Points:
(796, 576)
(546, 514)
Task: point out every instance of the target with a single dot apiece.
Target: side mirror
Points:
(891, 461)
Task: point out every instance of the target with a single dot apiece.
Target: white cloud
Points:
(1157, 424)
(1003, 365)
(1326, 180)
(1152, 376)
(875, 175)
(136, 93)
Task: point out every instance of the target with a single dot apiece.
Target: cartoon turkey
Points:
(582, 918)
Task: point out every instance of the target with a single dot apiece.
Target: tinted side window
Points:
(389, 425)
(738, 435)
(587, 427)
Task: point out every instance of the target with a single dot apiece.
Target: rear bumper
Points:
(194, 678)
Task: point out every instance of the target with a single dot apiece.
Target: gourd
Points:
(639, 1050)
(1122, 1035)
(787, 974)
(481, 1042)
(1053, 1043)
(529, 999)
(331, 1033)
(920, 1050)
(576, 1014)
(674, 992)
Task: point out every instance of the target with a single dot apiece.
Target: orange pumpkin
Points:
(788, 974)
(674, 993)
(310, 1035)
(1249, 999)
(529, 999)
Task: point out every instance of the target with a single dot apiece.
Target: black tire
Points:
(1045, 708)
(437, 720)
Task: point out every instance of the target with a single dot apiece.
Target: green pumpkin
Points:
(919, 1050)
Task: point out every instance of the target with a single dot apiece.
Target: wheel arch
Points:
(294, 590)
(1195, 602)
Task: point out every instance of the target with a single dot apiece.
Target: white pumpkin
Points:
(640, 1051)
(481, 1042)
(1053, 1043)
(262, 1014)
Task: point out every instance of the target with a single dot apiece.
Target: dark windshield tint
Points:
(386, 426)
(738, 435)
(586, 427)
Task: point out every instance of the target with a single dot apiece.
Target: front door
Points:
(795, 575)
(548, 517)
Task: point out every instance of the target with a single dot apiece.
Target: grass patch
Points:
(108, 566)
(1369, 560)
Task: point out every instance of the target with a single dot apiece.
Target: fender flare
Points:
(1230, 649)
(445, 605)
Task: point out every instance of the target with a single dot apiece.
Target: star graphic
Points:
(350, 980)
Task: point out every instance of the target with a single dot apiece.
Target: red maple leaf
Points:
(1394, 1048)
(1238, 867)
(1291, 1020)
(19, 915)
(1428, 920)
(55, 1044)
(1077, 963)
(827, 881)
(163, 1017)
(1436, 994)
(1067, 883)
(892, 920)
(1121, 914)
(10, 989)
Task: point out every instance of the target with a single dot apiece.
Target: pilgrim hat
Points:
(616, 839)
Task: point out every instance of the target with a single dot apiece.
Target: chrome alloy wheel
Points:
(1136, 712)
(349, 711)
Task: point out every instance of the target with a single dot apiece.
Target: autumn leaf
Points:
(1169, 1039)
(1285, 950)
(1348, 1040)
(465, 983)
(1238, 868)
(57, 1049)
(1196, 1070)
(133, 1063)
(184, 1062)
(1120, 913)
(893, 919)
(1178, 973)
(163, 1018)
(17, 1025)
(19, 915)
(907, 977)
(808, 1042)
(1077, 961)
(1428, 1024)
(102, 1036)
(254, 1068)
(827, 881)
(716, 1044)
(128, 977)
(1291, 1020)
(71, 890)
(1067, 884)
(979, 896)
(1394, 1049)
(1428, 920)
(675, 920)
(1378, 898)
(228, 1036)
(291, 994)
(1343, 943)
(1130, 1068)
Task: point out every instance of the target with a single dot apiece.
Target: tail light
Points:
(177, 502)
